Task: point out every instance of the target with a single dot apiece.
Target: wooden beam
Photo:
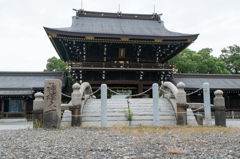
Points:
(121, 82)
(140, 88)
(123, 88)
(24, 108)
(2, 113)
(119, 69)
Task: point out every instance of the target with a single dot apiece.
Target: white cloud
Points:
(25, 46)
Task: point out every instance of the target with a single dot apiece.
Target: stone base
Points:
(51, 120)
(220, 118)
(37, 120)
(13, 120)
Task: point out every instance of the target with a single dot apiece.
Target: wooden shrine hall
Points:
(17, 91)
(122, 50)
(229, 84)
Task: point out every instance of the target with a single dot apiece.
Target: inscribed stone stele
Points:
(52, 103)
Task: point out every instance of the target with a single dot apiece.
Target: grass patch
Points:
(128, 114)
(37, 124)
(188, 139)
(206, 130)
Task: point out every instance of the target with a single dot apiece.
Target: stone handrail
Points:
(79, 92)
(169, 90)
(177, 97)
(168, 87)
(197, 105)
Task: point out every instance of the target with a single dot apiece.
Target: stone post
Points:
(181, 105)
(76, 102)
(52, 103)
(38, 105)
(104, 105)
(155, 95)
(199, 119)
(219, 107)
(207, 108)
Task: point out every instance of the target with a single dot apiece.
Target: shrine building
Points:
(121, 50)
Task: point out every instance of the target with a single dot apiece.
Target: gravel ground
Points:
(123, 142)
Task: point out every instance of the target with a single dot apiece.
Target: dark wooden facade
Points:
(121, 50)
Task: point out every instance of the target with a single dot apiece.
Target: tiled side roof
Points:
(16, 92)
(22, 83)
(195, 81)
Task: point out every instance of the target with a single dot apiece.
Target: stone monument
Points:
(52, 104)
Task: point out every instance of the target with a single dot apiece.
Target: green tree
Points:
(55, 64)
(231, 57)
(189, 61)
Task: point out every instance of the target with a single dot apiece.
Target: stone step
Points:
(142, 110)
(126, 123)
(135, 118)
(121, 110)
(125, 105)
(135, 114)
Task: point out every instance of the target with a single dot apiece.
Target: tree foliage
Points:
(189, 61)
(55, 64)
(231, 56)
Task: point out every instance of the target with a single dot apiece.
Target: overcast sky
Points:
(26, 47)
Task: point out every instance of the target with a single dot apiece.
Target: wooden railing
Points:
(13, 115)
(120, 64)
(16, 115)
(29, 117)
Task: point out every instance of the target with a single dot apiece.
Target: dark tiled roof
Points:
(16, 92)
(101, 24)
(195, 81)
(23, 83)
(119, 26)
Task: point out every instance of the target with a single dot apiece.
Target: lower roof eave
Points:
(80, 34)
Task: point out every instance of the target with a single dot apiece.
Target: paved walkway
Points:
(29, 125)
(16, 125)
(230, 122)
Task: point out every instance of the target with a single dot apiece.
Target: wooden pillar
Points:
(24, 108)
(228, 102)
(188, 99)
(140, 89)
(76, 118)
(2, 113)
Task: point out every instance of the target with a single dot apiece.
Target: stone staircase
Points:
(141, 108)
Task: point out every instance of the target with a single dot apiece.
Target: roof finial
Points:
(154, 8)
(81, 4)
(119, 13)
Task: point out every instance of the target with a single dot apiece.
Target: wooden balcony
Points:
(119, 66)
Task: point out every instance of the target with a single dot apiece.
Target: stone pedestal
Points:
(219, 108)
(38, 105)
(76, 102)
(199, 119)
(181, 104)
(52, 104)
(182, 114)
